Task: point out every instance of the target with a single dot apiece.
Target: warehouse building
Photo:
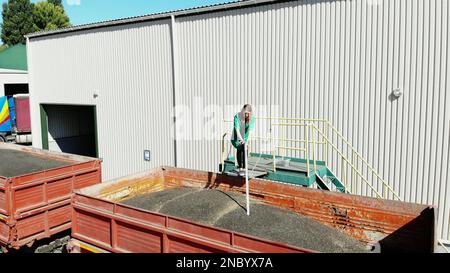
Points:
(376, 69)
(13, 71)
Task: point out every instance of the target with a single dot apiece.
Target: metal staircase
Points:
(330, 161)
(330, 183)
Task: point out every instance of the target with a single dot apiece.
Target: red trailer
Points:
(102, 222)
(15, 121)
(23, 121)
(35, 192)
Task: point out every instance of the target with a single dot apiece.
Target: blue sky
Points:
(90, 11)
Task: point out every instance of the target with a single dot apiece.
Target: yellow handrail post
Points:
(285, 153)
(346, 174)
(307, 149)
(353, 173)
(327, 124)
(223, 151)
(273, 146)
(382, 189)
(314, 150)
(323, 141)
(342, 168)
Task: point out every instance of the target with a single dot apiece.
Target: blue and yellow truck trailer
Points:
(15, 125)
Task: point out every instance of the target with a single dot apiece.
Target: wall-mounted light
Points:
(397, 93)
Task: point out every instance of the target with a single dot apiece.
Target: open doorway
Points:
(69, 129)
(12, 89)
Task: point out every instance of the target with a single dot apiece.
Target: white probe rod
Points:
(246, 179)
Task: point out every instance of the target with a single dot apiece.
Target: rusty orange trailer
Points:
(101, 223)
(37, 205)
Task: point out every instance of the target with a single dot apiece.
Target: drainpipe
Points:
(33, 110)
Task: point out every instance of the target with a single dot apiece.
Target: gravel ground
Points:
(227, 210)
(16, 163)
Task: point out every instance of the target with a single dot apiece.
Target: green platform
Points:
(288, 170)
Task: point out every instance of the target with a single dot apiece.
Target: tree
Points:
(48, 16)
(17, 21)
(55, 2)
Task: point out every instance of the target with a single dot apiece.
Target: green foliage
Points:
(55, 2)
(20, 17)
(17, 21)
(48, 16)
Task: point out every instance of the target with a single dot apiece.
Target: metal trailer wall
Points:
(129, 68)
(339, 60)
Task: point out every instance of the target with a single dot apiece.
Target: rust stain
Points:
(131, 189)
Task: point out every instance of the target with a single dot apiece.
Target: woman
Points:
(243, 124)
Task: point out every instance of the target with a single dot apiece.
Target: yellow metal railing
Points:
(357, 156)
(285, 122)
(386, 187)
(319, 134)
(444, 244)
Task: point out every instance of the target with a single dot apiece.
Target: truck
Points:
(35, 194)
(15, 123)
(173, 210)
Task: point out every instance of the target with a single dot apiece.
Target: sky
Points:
(91, 11)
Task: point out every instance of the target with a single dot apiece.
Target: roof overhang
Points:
(12, 71)
(157, 16)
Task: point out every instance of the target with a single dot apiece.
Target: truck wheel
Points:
(2, 139)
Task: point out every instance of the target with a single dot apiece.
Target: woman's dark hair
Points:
(247, 107)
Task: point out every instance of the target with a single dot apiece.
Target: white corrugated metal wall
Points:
(338, 60)
(8, 76)
(130, 70)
